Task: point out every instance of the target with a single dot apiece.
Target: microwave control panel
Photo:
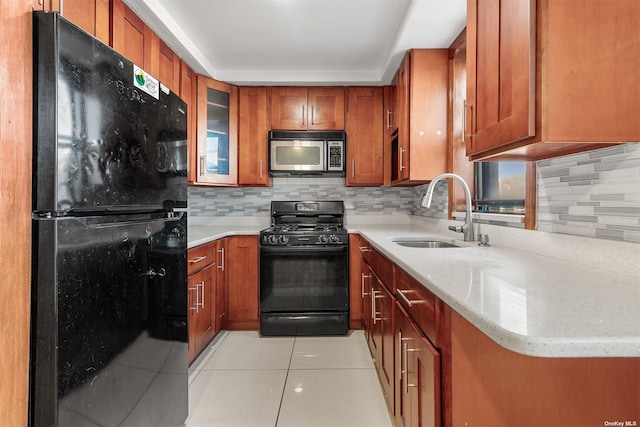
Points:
(335, 155)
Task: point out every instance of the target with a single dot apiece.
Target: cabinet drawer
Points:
(200, 257)
(419, 303)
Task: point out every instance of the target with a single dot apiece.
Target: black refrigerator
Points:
(109, 292)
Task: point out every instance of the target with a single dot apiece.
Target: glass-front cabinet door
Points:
(217, 144)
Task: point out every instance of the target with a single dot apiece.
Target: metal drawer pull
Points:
(363, 249)
(197, 260)
(407, 300)
(373, 305)
(364, 276)
(464, 129)
(197, 298)
(202, 287)
(221, 265)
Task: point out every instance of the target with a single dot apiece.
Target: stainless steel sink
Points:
(424, 244)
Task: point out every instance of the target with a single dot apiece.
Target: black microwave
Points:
(307, 153)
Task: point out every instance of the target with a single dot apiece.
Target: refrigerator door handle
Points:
(152, 273)
(90, 222)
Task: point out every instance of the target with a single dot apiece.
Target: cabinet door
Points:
(188, 93)
(356, 282)
(168, 67)
(131, 37)
(424, 375)
(201, 309)
(403, 402)
(325, 108)
(221, 285)
(390, 126)
(217, 142)
(500, 72)
(252, 137)
(382, 334)
(90, 15)
(289, 108)
(50, 5)
(417, 385)
(400, 141)
(242, 262)
(365, 137)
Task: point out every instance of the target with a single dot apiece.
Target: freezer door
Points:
(103, 140)
(109, 332)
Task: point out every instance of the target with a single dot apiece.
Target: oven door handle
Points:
(291, 250)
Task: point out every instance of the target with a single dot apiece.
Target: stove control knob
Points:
(283, 239)
(273, 239)
(322, 238)
(334, 239)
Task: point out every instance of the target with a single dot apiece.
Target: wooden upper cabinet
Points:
(549, 78)
(217, 133)
(168, 67)
(188, 93)
(131, 37)
(289, 108)
(326, 108)
(49, 5)
(253, 128)
(364, 118)
(90, 15)
(501, 71)
(300, 108)
(419, 147)
(458, 161)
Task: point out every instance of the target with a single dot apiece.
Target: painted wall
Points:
(594, 194)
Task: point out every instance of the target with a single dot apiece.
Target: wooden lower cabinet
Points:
(221, 284)
(201, 310)
(493, 386)
(381, 337)
(356, 282)
(445, 372)
(241, 260)
(418, 381)
(408, 364)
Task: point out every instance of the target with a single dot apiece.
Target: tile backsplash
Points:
(594, 194)
(251, 201)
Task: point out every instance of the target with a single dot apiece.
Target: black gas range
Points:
(304, 270)
(305, 223)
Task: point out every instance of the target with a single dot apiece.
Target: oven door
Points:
(301, 279)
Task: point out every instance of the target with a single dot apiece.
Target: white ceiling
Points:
(306, 42)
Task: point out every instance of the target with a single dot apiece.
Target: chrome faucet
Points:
(467, 228)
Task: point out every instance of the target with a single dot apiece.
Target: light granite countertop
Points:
(529, 303)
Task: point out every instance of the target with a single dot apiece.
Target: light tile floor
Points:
(245, 380)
